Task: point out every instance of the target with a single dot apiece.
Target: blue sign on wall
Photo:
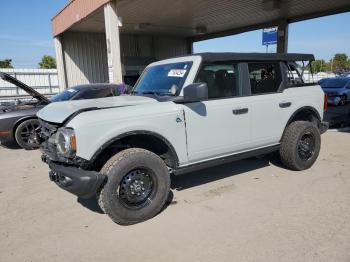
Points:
(269, 36)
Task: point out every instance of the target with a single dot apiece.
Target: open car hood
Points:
(29, 90)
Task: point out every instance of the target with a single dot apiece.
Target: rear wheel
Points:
(137, 187)
(300, 145)
(26, 134)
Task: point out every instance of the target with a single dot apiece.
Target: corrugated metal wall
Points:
(85, 58)
(166, 47)
(158, 47)
(85, 54)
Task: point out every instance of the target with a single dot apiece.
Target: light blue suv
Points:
(337, 89)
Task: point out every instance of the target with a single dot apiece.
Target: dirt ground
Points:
(251, 210)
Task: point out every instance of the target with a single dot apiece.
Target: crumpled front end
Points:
(72, 174)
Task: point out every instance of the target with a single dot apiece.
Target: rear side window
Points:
(294, 77)
(264, 77)
(222, 80)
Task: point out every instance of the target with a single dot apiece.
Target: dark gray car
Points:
(18, 121)
(337, 89)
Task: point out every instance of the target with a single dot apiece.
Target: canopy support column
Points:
(113, 43)
(282, 37)
(61, 69)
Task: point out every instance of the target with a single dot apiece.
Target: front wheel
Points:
(137, 187)
(300, 145)
(26, 134)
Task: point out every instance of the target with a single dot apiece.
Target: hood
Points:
(59, 112)
(29, 90)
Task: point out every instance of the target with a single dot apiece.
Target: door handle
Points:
(240, 111)
(285, 104)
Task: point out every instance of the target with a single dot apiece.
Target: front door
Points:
(220, 125)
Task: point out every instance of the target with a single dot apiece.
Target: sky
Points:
(322, 37)
(26, 35)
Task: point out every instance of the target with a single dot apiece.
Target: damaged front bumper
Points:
(80, 182)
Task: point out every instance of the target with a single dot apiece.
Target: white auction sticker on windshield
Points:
(177, 72)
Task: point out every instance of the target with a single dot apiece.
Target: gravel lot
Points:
(251, 210)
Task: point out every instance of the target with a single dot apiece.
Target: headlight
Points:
(65, 142)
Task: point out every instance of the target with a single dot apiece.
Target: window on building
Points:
(264, 77)
(222, 80)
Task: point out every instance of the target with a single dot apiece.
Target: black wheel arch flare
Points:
(135, 133)
(307, 110)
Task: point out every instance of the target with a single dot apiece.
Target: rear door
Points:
(270, 107)
(220, 125)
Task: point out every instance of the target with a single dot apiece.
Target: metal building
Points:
(106, 40)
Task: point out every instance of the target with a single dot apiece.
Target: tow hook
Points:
(61, 180)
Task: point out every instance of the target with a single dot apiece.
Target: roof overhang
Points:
(195, 19)
(73, 13)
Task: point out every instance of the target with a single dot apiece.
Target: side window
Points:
(264, 77)
(96, 93)
(293, 74)
(222, 80)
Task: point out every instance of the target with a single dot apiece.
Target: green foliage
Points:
(47, 62)
(340, 62)
(6, 63)
(319, 66)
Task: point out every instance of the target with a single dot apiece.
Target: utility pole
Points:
(332, 65)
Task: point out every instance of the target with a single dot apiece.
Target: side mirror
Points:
(195, 92)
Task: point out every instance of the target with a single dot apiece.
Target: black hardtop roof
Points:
(212, 57)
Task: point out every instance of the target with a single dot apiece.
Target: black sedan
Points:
(18, 121)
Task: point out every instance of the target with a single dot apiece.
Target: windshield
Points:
(64, 96)
(334, 83)
(167, 79)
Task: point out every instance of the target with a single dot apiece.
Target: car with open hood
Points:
(184, 114)
(18, 120)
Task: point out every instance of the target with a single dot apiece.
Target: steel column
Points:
(282, 37)
(113, 43)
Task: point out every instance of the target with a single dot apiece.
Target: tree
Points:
(319, 66)
(6, 63)
(47, 62)
(339, 62)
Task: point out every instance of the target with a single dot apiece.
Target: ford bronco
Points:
(183, 114)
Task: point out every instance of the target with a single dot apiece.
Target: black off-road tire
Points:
(22, 127)
(289, 146)
(116, 169)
